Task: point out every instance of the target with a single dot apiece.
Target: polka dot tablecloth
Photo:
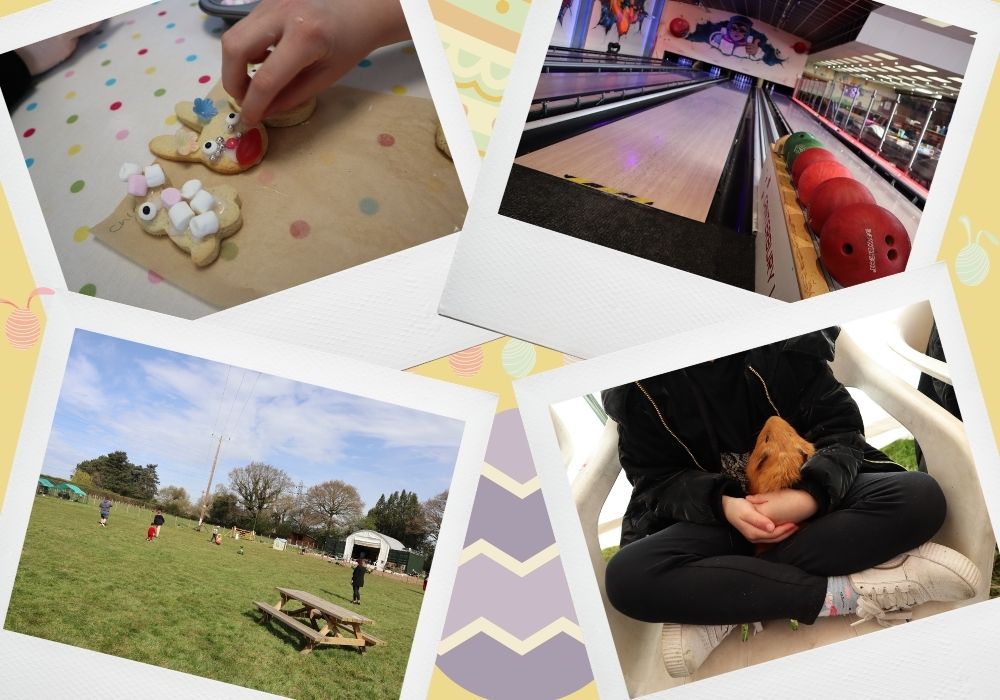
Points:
(101, 108)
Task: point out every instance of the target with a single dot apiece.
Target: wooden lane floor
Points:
(672, 154)
(885, 194)
(552, 85)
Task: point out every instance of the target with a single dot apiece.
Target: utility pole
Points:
(208, 489)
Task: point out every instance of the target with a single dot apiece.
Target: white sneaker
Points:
(931, 572)
(685, 647)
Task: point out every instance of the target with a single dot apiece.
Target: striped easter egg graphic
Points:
(467, 362)
(22, 327)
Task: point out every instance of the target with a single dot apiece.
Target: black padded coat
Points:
(666, 451)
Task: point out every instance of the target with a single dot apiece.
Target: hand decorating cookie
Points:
(292, 116)
(212, 136)
(195, 218)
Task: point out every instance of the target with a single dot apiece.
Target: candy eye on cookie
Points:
(232, 121)
(212, 149)
(147, 211)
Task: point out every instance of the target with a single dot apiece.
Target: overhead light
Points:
(940, 80)
(925, 69)
(887, 57)
(935, 22)
(973, 36)
(890, 69)
(957, 80)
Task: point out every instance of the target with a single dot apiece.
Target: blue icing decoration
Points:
(204, 108)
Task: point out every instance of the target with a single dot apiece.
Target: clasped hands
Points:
(769, 518)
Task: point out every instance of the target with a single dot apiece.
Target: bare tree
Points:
(433, 512)
(334, 504)
(258, 486)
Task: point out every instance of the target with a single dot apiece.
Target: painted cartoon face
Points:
(738, 29)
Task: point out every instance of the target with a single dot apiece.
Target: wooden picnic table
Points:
(329, 624)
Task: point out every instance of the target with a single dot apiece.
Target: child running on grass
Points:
(358, 580)
(151, 532)
(105, 508)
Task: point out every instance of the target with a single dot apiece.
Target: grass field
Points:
(185, 604)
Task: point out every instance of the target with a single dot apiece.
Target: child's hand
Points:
(49, 53)
(315, 43)
(754, 526)
(785, 505)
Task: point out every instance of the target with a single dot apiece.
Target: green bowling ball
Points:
(801, 145)
(794, 139)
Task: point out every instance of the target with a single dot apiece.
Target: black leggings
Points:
(708, 574)
(357, 591)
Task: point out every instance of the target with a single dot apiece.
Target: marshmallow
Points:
(203, 201)
(170, 196)
(137, 185)
(180, 216)
(128, 170)
(190, 188)
(205, 225)
(155, 176)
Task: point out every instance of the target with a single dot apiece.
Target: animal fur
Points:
(777, 457)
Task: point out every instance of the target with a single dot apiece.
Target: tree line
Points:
(264, 498)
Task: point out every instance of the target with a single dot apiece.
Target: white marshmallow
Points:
(203, 201)
(155, 177)
(190, 188)
(127, 170)
(205, 225)
(180, 216)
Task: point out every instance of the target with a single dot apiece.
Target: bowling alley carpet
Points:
(591, 215)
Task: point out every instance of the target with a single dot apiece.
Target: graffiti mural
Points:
(736, 37)
(622, 14)
(562, 9)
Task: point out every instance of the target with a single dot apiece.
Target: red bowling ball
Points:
(833, 195)
(807, 158)
(679, 27)
(863, 242)
(816, 174)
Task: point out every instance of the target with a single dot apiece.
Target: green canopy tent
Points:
(71, 492)
(44, 485)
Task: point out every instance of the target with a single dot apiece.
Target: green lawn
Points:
(185, 604)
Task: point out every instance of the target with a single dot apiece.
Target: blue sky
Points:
(163, 408)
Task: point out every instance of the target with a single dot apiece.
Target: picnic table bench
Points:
(328, 623)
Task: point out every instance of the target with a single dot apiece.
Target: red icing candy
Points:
(232, 142)
(250, 149)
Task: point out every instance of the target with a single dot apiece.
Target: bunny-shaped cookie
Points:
(212, 134)
(196, 219)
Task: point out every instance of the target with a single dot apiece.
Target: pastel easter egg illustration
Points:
(467, 362)
(518, 358)
(22, 327)
(972, 264)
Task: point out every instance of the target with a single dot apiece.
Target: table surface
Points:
(101, 108)
(324, 606)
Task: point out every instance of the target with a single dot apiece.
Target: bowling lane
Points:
(559, 84)
(672, 154)
(884, 193)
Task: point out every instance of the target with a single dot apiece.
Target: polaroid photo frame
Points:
(948, 652)
(529, 282)
(52, 18)
(68, 312)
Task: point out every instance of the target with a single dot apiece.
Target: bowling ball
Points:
(799, 146)
(800, 47)
(794, 139)
(863, 242)
(833, 195)
(807, 158)
(816, 174)
(679, 27)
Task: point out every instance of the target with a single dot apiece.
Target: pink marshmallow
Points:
(170, 196)
(137, 185)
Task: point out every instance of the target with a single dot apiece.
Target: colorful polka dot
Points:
(179, 40)
(69, 74)
(70, 95)
(159, 92)
(110, 81)
(29, 132)
(161, 13)
(368, 206)
(229, 251)
(191, 57)
(398, 90)
(81, 234)
(76, 186)
(503, 6)
(29, 161)
(171, 25)
(142, 52)
(106, 62)
(408, 49)
(137, 35)
(170, 120)
(204, 79)
(265, 177)
(150, 70)
(103, 45)
(299, 229)
(115, 106)
(71, 119)
(73, 150)
(365, 63)
(153, 277)
(386, 140)
(90, 289)
(217, 30)
(122, 135)
(32, 107)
